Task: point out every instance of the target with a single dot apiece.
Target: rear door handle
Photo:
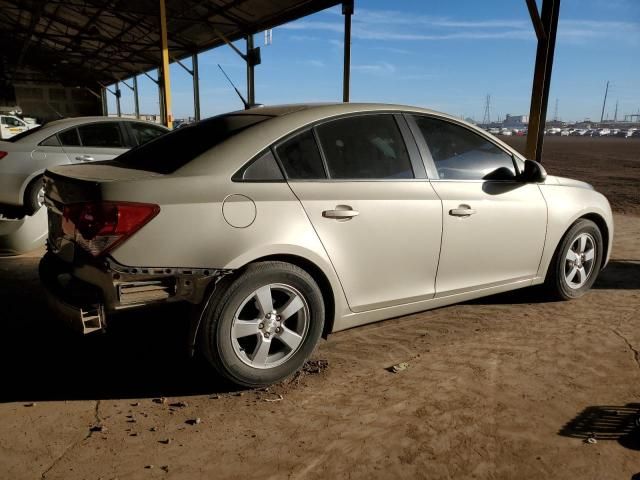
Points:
(462, 211)
(341, 212)
(85, 158)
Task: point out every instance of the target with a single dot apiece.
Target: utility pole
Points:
(604, 103)
(615, 113)
(486, 119)
(555, 112)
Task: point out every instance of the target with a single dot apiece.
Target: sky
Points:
(443, 55)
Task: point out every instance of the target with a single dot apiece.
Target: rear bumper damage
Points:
(83, 294)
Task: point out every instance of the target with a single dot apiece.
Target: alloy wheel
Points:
(270, 326)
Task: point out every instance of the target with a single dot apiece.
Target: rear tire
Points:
(34, 196)
(262, 325)
(576, 263)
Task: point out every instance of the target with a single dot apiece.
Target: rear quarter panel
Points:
(192, 231)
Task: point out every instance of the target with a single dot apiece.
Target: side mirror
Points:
(533, 172)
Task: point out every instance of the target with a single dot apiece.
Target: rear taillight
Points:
(3, 154)
(99, 226)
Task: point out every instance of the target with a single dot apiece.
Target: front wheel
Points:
(262, 326)
(577, 261)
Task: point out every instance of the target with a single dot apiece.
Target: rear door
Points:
(94, 141)
(494, 225)
(368, 198)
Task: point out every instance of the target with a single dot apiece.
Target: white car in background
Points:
(25, 157)
(11, 126)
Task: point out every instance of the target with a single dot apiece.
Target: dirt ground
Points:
(505, 387)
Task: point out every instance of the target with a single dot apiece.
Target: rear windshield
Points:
(169, 152)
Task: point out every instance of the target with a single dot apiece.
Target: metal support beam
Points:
(251, 95)
(193, 71)
(118, 94)
(347, 11)
(196, 86)
(105, 107)
(165, 84)
(542, 78)
(134, 89)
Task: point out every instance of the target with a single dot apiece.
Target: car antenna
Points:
(246, 105)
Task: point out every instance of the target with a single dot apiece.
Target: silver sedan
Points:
(25, 157)
(284, 224)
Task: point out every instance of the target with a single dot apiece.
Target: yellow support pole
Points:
(166, 82)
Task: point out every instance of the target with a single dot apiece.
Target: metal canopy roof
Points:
(82, 42)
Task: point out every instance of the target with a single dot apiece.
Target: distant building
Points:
(516, 120)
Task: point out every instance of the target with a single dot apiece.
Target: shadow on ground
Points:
(620, 275)
(142, 355)
(620, 423)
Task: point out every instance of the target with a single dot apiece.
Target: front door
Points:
(494, 226)
(380, 225)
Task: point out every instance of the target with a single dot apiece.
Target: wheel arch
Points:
(604, 230)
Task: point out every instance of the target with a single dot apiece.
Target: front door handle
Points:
(341, 212)
(85, 158)
(462, 211)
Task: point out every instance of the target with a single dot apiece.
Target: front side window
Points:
(143, 132)
(12, 122)
(301, 158)
(102, 135)
(460, 154)
(365, 147)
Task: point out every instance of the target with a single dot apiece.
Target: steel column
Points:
(136, 98)
(105, 105)
(118, 99)
(165, 84)
(546, 33)
(251, 96)
(347, 11)
(196, 87)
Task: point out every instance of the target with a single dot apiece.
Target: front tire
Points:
(576, 263)
(262, 325)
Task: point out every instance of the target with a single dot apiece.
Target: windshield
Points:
(169, 152)
(24, 134)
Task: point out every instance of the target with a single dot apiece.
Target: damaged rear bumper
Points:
(83, 294)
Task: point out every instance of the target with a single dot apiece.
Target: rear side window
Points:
(69, 137)
(365, 147)
(169, 152)
(144, 133)
(52, 141)
(300, 157)
(102, 135)
(263, 169)
(460, 154)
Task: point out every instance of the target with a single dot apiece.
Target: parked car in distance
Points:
(11, 126)
(283, 224)
(25, 157)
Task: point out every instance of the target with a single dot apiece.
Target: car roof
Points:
(286, 119)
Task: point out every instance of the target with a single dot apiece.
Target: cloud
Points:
(379, 68)
(394, 25)
(314, 63)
